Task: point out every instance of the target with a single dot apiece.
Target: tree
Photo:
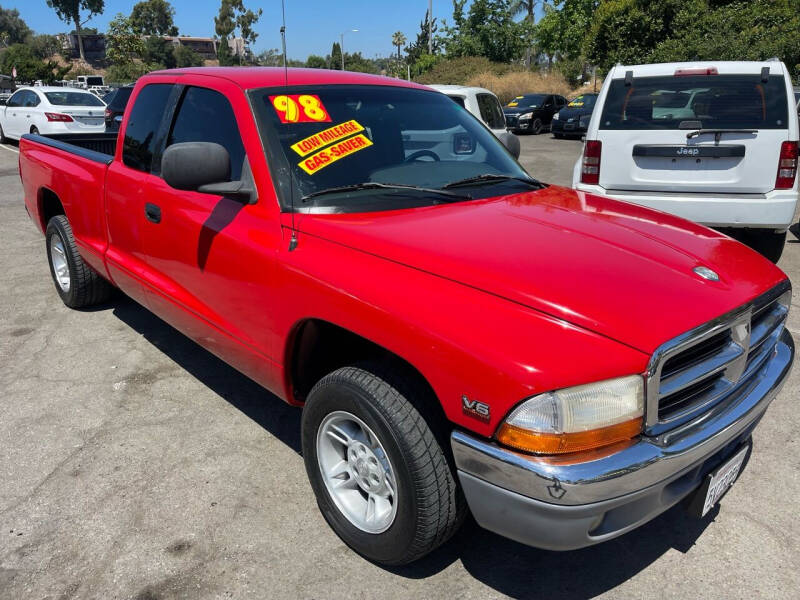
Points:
(316, 62)
(29, 66)
(528, 9)
(232, 16)
(158, 51)
(335, 59)
(420, 46)
(153, 17)
(44, 46)
(123, 44)
(399, 40)
(69, 11)
(488, 29)
(13, 29)
(186, 57)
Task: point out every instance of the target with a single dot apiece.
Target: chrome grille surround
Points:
(737, 345)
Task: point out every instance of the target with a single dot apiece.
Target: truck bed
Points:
(98, 147)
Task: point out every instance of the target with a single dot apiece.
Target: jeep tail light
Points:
(590, 163)
(58, 118)
(787, 166)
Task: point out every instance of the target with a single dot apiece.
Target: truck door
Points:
(210, 259)
(125, 188)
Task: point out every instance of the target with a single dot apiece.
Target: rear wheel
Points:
(763, 241)
(77, 284)
(35, 130)
(3, 138)
(379, 473)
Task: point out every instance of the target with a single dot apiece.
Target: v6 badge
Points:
(473, 408)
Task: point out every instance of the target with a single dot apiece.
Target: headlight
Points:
(526, 116)
(577, 418)
(555, 117)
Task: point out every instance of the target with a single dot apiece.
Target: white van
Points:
(714, 142)
(480, 102)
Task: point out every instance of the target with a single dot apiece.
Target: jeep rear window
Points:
(716, 101)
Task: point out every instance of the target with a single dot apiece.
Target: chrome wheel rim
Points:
(58, 257)
(357, 472)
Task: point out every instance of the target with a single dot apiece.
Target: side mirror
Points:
(205, 167)
(511, 142)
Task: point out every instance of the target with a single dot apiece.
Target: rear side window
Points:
(458, 100)
(120, 99)
(713, 101)
(145, 119)
(206, 116)
(491, 111)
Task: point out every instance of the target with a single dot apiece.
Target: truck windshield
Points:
(716, 101)
(335, 138)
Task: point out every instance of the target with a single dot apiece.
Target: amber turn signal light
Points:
(562, 443)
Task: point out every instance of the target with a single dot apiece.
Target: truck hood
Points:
(618, 269)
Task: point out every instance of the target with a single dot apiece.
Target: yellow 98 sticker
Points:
(330, 155)
(328, 136)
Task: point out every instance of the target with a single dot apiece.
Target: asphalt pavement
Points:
(134, 464)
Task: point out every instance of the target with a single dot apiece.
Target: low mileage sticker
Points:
(328, 136)
(330, 155)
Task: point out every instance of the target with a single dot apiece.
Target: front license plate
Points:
(717, 483)
(569, 126)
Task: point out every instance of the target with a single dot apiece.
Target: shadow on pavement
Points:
(504, 565)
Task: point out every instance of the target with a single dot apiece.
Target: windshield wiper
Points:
(374, 185)
(717, 132)
(492, 178)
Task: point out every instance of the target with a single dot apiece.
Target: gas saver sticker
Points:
(328, 136)
(330, 155)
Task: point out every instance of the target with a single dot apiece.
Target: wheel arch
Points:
(48, 205)
(317, 347)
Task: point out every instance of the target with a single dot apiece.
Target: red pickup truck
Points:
(458, 334)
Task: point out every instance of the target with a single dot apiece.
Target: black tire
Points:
(3, 138)
(764, 241)
(430, 505)
(34, 130)
(85, 287)
(558, 136)
(536, 126)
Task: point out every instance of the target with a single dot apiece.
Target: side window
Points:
(560, 100)
(16, 99)
(491, 111)
(139, 142)
(206, 116)
(458, 100)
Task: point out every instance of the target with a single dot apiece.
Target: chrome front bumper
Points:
(563, 506)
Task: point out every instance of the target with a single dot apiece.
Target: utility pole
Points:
(430, 26)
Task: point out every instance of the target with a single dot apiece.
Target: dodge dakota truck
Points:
(459, 335)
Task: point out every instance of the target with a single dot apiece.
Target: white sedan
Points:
(49, 110)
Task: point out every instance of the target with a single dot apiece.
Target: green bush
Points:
(186, 57)
(459, 70)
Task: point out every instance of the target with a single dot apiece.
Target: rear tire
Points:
(764, 241)
(34, 130)
(77, 284)
(420, 506)
(3, 138)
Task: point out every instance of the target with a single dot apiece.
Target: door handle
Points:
(152, 212)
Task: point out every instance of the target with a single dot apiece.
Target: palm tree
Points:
(399, 40)
(527, 8)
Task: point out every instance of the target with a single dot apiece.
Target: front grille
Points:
(692, 373)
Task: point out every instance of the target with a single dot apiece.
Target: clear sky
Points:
(312, 25)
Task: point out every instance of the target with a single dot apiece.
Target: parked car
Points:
(51, 110)
(573, 119)
(116, 107)
(714, 142)
(422, 308)
(480, 102)
(532, 113)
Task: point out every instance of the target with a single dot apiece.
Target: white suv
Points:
(480, 102)
(714, 142)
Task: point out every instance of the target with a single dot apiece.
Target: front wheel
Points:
(764, 241)
(3, 138)
(536, 126)
(381, 477)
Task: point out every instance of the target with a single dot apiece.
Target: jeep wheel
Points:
(380, 475)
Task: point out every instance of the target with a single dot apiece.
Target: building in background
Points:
(94, 45)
